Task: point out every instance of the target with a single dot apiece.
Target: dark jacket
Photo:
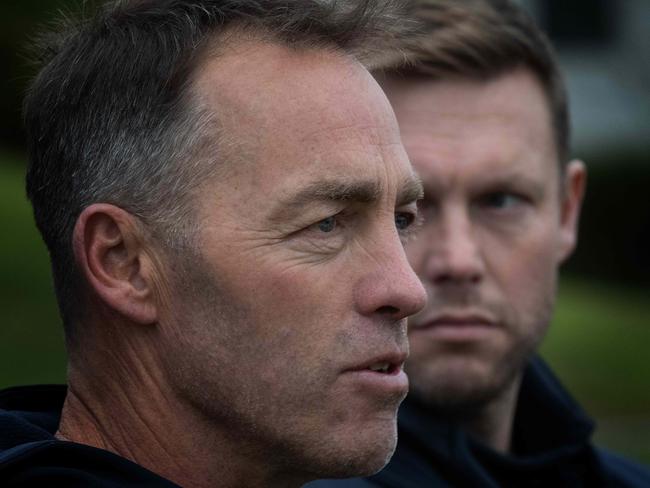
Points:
(551, 448)
(31, 456)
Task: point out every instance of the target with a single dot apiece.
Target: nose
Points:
(389, 286)
(452, 254)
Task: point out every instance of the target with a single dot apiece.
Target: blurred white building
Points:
(604, 48)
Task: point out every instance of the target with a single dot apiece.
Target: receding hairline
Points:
(232, 45)
(217, 89)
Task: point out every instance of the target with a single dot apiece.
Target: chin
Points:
(459, 386)
(362, 452)
(363, 463)
(376, 455)
(452, 399)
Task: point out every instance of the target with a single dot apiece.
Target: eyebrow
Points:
(327, 191)
(410, 191)
(516, 179)
(364, 191)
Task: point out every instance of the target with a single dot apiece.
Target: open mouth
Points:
(388, 364)
(384, 367)
(382, 375)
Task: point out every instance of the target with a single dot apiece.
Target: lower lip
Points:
(394, 383)
(455, 332)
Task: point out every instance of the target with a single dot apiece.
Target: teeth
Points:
(380, 367)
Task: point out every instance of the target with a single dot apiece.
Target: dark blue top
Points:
(551, 448)
(30, 455)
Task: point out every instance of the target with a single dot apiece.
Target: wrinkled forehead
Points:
(301, 117)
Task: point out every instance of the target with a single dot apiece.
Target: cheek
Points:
(295, 308)
(526, 273)
(297, 291)
(526, 255)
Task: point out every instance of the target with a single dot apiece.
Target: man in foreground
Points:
(224, 194)
(483, 117)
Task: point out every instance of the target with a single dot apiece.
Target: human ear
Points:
(110, 251)
(573, 188)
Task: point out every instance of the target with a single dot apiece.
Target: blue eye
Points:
(403, 220)
(327, 225)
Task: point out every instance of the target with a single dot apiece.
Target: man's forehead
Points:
(493, 124)
(258, 82)
(299, 118)
(515, 96)
(251, 71)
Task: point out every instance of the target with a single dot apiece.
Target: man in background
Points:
(224, 195)
(483, 116)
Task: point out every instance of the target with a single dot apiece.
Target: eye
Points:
(404, 220)
(324, 237)
(407, 224)
(501, 200)
(327, 225)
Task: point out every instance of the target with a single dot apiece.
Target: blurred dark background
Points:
(599, 340)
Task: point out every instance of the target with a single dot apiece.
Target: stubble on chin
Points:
(454, 385)
(455, 381)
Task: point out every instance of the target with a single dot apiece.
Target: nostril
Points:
(388, 310)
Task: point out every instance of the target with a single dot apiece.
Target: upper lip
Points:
(455, 318)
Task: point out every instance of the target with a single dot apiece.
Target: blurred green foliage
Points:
(598, 346)
(31, 339)
(597, 343)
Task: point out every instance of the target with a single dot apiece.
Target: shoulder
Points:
(620, 471)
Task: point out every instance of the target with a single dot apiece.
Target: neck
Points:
(148, 426)
(492, 423)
